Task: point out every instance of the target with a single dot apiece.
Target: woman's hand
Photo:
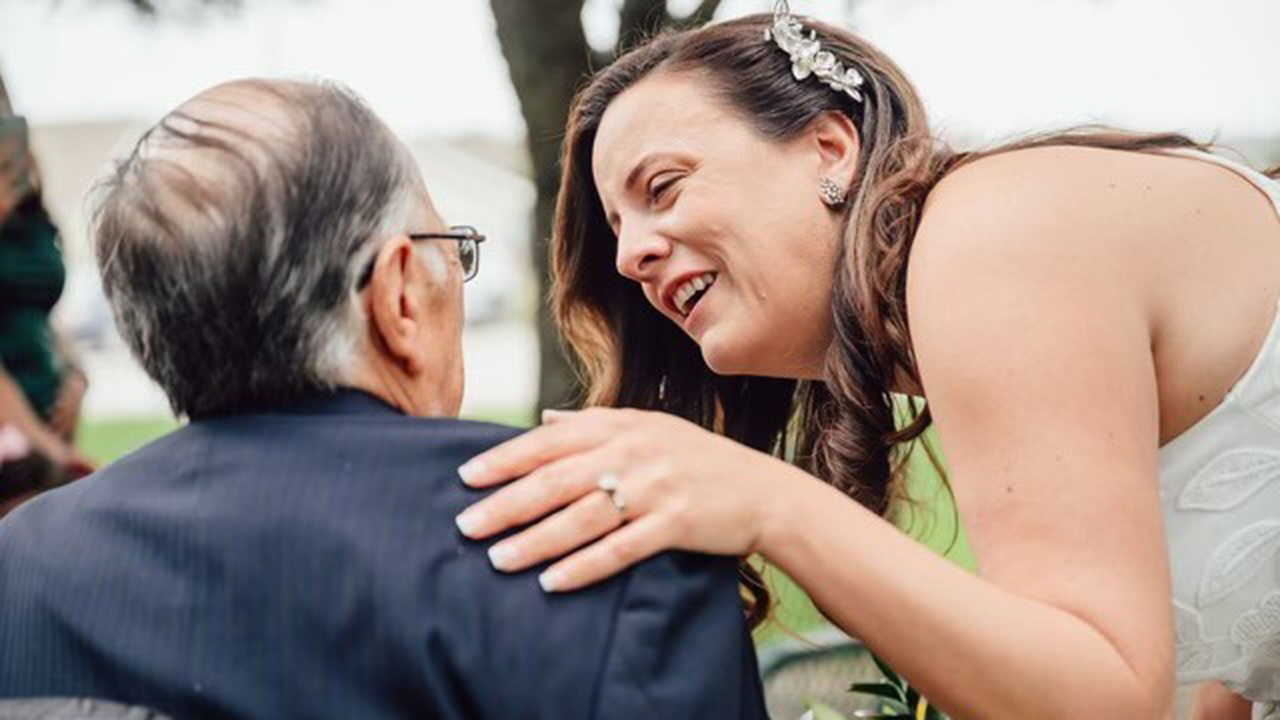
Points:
(678, 486)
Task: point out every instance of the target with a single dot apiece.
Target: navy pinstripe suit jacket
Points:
(305, 564)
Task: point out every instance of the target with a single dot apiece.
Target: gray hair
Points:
(229, 250)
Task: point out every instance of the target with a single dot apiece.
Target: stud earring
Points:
(832, 194)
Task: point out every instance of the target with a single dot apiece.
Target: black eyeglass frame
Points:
(461, 234)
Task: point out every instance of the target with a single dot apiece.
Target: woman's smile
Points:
(700, 313)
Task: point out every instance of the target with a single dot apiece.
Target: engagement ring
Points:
(608, 482)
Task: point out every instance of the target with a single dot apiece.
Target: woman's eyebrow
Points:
(638, 171)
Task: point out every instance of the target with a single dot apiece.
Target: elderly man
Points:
(275, 263)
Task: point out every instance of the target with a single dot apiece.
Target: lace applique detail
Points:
(1194, 654)
(1230, 479)
(1258, 625)
(1237, 560)
(1257, 632)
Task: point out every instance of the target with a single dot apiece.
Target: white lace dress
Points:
(1220, 494)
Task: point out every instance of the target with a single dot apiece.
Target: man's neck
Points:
(395, 389)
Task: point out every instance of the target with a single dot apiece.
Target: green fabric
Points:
(31, 280)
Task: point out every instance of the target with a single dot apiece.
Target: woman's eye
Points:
(660, 186)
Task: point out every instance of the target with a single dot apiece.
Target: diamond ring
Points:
(608, 482)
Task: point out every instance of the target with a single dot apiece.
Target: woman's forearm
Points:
(974, 649)
(16, 411)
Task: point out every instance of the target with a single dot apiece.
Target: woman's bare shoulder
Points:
(1038, 233)
(1068, 210)
(1025, 184)
(1023, 202)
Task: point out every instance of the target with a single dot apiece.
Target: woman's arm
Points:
(978, 647)
(16, 411)
(975, 647)
(64, 415)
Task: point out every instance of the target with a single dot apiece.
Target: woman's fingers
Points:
(546, 489)
(612, 554)
(585, 520)
(525, 453)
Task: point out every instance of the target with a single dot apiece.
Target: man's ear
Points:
(838, 145)
(395, 310)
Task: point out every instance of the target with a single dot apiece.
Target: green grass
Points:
(930, 517)
(108, 440)
(514, 418)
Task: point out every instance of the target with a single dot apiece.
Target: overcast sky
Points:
(985, 67)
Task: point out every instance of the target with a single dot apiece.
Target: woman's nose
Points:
(640, 253)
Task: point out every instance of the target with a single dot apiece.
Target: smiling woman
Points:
(769, 250)
(669, 165)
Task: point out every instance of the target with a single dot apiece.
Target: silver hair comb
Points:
(808, 57)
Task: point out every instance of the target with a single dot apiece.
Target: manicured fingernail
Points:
(468, 522)
(552, 414)
(470, 471)
(502, 556)
(551, 580)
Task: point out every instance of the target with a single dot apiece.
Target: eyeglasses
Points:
(468, 239)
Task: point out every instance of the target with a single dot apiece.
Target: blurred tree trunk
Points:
(548, 58)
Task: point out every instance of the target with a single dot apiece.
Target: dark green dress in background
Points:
(31, 279)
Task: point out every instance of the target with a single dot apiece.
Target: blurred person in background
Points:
(41, 387)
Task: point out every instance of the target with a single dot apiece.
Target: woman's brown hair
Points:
(847, 429)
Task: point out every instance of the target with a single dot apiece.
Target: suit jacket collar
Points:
(343, 401)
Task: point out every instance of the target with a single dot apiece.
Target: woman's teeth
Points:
(693, 288)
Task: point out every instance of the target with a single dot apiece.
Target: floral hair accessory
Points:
(808, 57)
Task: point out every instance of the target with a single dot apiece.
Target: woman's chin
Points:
(724, 359)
